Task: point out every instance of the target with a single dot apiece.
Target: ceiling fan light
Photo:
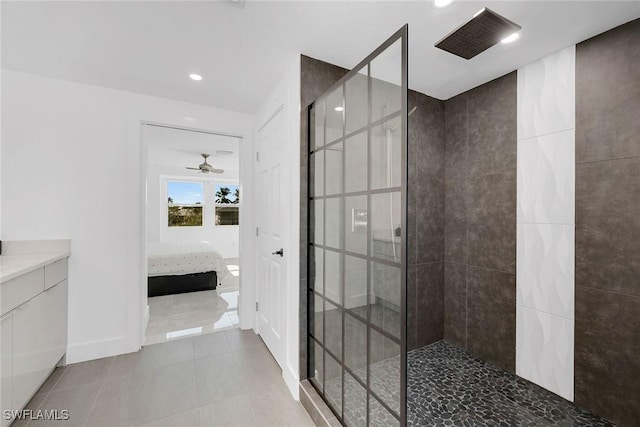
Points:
(205, 167)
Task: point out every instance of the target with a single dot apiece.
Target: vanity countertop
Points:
(12, 266)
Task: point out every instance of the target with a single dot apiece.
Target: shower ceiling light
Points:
(511, 38)
(196, 77)
(441, 4)
(338, 109)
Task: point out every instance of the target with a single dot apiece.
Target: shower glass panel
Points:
(357, 254)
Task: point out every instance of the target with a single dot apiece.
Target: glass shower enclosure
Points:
(357, 236)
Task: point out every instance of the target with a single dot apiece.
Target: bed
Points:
(175, 268)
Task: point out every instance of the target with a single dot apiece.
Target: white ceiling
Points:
(151, 47)
(174, 149)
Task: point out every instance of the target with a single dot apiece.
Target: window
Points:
(227, 204)
(184, 204)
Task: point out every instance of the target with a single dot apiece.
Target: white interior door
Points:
(272, 221)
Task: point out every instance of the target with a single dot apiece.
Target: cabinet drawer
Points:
(55, 273)
(21, 289)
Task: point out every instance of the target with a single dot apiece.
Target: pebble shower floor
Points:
(449, 387)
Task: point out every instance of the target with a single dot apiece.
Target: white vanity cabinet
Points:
(6, 363)
(34, 331)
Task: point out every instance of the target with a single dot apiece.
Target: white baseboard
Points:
(97, 349)
(292, 380)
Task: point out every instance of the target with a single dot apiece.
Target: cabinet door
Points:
(31, 363)
(39, 341)
(56, 318)
(6, 361)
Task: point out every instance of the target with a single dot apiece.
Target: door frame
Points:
(285, 96)
(141, 311)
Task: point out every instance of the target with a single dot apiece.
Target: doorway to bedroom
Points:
(193, 207)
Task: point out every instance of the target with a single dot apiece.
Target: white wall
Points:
(72, 167)
(546, 222)
(287, 94)
(226, 238)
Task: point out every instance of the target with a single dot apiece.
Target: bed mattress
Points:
(174, 259)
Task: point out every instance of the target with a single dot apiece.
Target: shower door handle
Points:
(279, 252)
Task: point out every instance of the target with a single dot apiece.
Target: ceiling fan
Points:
(206, 167)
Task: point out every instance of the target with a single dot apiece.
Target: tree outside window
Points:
(184, 204)
(227, 204)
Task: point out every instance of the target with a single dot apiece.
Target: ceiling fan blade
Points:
(214, 170)
(193, 169)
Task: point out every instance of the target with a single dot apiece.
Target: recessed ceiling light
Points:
(511, 38)
(440, 4)
(339, 109)
(196, 77)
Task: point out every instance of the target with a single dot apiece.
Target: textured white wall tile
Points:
(544, 350)
(545, 268)
(546, 95)
(546, 179)
(546, 217)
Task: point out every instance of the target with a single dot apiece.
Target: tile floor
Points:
(226, 378)
(195, 313)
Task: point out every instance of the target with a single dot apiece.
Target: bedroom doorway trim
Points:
(139, 309)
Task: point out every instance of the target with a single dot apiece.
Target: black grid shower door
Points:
(357, 255)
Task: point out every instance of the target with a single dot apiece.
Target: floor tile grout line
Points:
(53, 386)
(196, 407)
(95, 399)
(67, 368)
(64, 369)
(44, 398)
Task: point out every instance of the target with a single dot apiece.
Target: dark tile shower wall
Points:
(425, 294)
(607, 316)
(315, 78)
(480, 221)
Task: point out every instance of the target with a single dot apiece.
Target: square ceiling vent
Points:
(485, 29)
